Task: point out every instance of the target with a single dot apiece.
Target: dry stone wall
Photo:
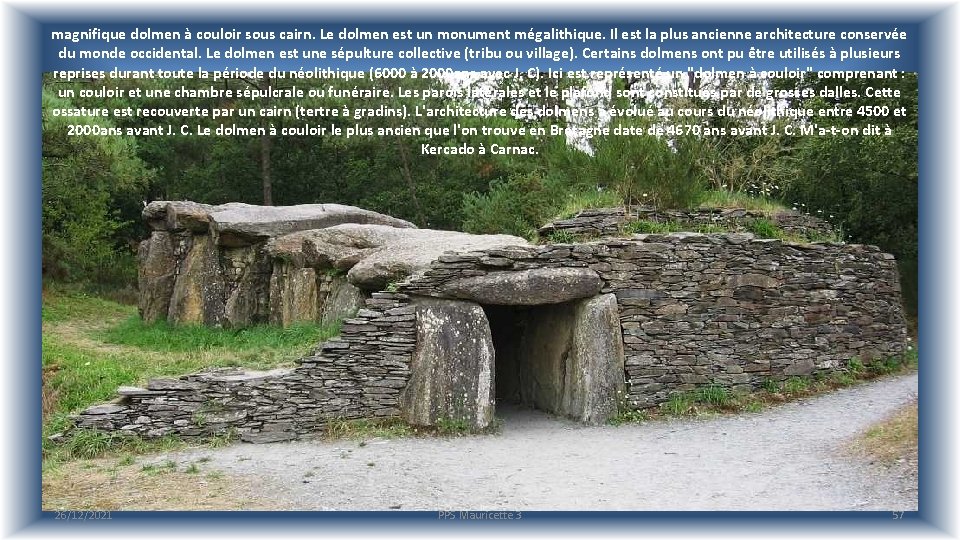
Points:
(359, 374)
(724, 309)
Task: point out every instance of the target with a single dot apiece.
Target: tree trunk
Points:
(266, 144)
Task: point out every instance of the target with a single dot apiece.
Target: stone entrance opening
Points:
(540, 337)
(565, 358)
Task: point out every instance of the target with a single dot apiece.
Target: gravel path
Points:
(790, 457)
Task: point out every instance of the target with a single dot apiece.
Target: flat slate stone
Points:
(134, 391)
(104, 409)
(532, 287)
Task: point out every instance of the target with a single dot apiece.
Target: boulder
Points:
(377, 254)
(178, 216)
(527, 287)
(451, 373)
(238, 224)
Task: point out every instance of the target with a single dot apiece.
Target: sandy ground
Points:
(791, 457)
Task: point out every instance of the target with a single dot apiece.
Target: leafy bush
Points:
(83, 178)
(650, 170)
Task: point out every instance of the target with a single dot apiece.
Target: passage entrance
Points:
(565, 358)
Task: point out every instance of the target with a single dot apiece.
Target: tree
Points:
(84, 177)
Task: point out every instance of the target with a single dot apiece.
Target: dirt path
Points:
(791, 457)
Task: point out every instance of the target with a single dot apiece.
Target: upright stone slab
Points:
(451, 374)
(342, 300)
(571, 359)
(198, 294)
(247, 279)
(293, 294)
(157, 267)
(594, 376)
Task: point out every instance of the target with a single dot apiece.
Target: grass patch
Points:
(679, 404)
(85, 444)
(715, 395)
(736, 199)
(452, 427)
(893, 439)
(764, 228)
(584, 200)
(362, 428)
(91, 346)
(629, 416)
(644, 226)
(561, 237)
(165, 337)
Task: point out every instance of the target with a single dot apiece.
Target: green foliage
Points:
(796, 385)
(771, 385)
(866, 184)
(561, 237)
(714, 395)
(579, 201)
(886, 366)
(738, 199)
(91, 443)
(87, 371)
(649, 170)
(364, 428)
(83, 179)
(223, 438)
(752, 406)
(518, 205)
(679, 404)
(855, 366)
(629, 416)
(764, 228)
(452, 427)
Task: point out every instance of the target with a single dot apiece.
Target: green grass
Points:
(364, 428)
(679, 404)
(91, 346)
(60, 306)
(715, 395)
(584, 200)
(629, 416)
(643, 226)
(452, 427)
(735, 199)
(561, 237)
(764, 228)
(91, 444)
(796, 385)
(165, 337)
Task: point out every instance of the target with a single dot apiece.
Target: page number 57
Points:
(898, 515)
